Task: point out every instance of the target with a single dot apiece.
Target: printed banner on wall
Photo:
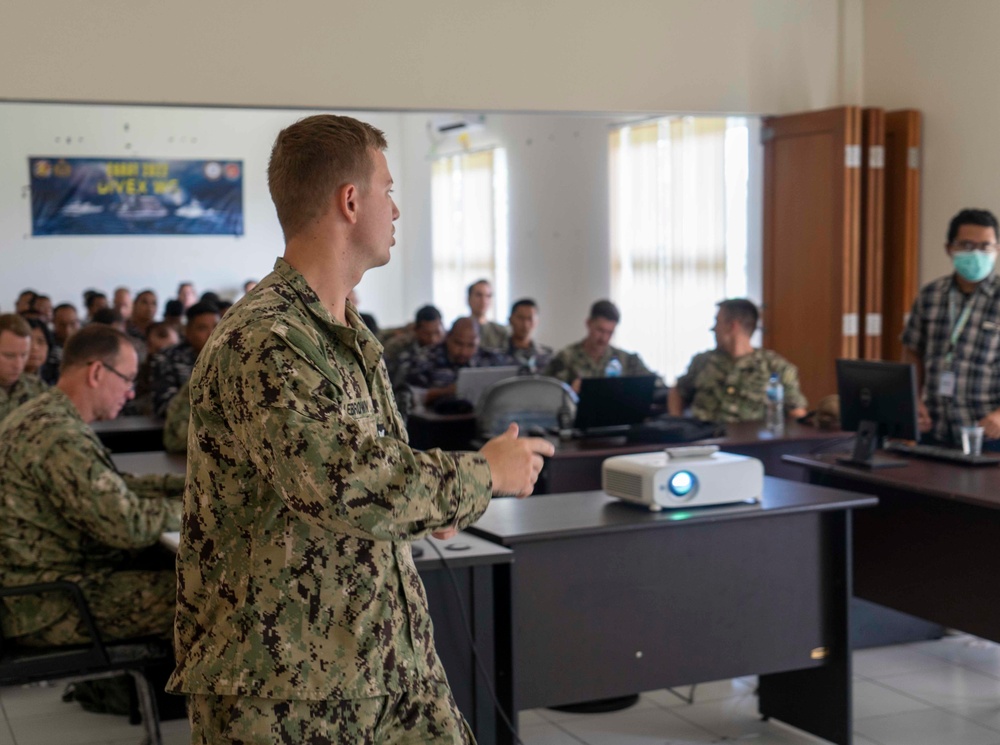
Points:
(105, 196)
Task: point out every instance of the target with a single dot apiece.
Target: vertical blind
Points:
(469, 228)
(678, 233)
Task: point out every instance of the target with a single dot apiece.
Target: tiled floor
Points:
(945, 692)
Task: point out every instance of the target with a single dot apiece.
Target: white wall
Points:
(941, 58)
(558, 212)
(758, 56)
(703, 56)
(63, 266)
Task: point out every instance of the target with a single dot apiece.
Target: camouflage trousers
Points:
(426, 713)
(125, 605)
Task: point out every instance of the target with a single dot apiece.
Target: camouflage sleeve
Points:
(334, 468)
(155, 486)
(175, 428)
(557, 368)
(419, 370)
(789, 374)
(91, 495)
(685, 383)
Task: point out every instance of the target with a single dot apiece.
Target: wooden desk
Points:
(930, 547)
(576, 466)
(609, 599)
(131, 434)
(480, 572)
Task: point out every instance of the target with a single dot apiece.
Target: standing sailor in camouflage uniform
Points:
(728, 384)
(66, 512)
(492, 335)
(301, 616)
(590, 357)
(16, 386)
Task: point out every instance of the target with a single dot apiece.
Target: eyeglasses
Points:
(130, 382)
(973, 246)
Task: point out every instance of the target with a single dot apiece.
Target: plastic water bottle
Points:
(613, 369)
(774, 413)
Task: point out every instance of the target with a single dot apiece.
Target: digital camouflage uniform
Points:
(397, 353)
(533, 359)
(26, 388)
(66, 513)
(170, 369)
(719, 388)
(432, 368)
(573, 362)
(296, 584)
(493, 335)
(175, 426)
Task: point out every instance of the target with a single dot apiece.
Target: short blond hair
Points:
(313, 158)
(15, 324)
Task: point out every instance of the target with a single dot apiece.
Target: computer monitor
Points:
(877, 400)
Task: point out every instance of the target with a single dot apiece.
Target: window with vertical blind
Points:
(469, 229)
(679, 189)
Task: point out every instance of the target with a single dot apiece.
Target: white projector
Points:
(683, 477)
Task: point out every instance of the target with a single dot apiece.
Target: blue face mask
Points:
(973, 265)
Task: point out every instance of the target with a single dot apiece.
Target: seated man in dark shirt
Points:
(436, 368)
(400, 351)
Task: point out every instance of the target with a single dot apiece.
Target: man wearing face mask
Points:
(953, 336)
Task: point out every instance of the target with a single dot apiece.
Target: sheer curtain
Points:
(678, 233)
(469, 228)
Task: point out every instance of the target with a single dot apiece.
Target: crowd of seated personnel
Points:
(32, 340)
(725, 384)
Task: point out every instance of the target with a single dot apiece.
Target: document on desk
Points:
(171, 539)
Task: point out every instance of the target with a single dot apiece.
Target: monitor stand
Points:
(866, 442)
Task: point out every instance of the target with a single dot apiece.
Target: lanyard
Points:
(958, 325)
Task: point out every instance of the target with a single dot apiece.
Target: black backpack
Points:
(674, 429)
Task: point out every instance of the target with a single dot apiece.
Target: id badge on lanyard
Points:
(947, 381)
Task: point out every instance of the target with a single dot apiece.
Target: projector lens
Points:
(681, 483)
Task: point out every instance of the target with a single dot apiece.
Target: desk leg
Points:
(503, 641)
(818, 700)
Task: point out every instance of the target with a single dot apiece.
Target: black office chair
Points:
(529, 400)
(21, 664)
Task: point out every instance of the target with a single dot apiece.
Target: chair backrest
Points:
(20, 664)
(531, 401)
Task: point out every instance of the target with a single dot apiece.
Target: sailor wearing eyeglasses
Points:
(66, 513)
(953, 336)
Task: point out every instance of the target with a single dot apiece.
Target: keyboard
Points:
(937, 452)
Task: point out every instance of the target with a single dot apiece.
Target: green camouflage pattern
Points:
(27, 387)
(66, 513)
(493, 335)
(573, 362)
(175, 425)
(295, 575)
(719, 388)
(424, 713)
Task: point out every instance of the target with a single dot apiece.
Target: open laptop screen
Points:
(473, 381)
(614, 402)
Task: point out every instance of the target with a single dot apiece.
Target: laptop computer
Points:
(612, 405)
(472, 382)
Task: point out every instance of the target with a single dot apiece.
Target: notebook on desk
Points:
(612, 405)
(473, 381)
